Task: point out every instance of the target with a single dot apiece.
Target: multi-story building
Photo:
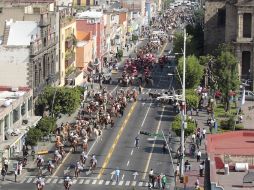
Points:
(232, 22)
(29, 45)
(92, 21)
(16, 117)
(67, 45)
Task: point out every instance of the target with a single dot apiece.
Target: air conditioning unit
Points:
(14, 89)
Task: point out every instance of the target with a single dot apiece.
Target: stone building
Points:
(29, 55)
(232, 21)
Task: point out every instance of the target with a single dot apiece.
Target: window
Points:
(1, 9)
(247, 19)
(221, 17)
(246, 60)
(23, 109)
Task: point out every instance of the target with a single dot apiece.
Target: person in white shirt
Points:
(204, 133)
(150, 175)
(198, 155)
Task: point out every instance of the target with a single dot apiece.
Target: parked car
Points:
(249, 95)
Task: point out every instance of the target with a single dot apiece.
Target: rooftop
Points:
(230, 148)
(89, 14)
(9, 96)
(22, 32)
(234, 143)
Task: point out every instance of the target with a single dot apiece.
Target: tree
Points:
(194, 71)
(178, 45)
(59, 100)
(46, 125)
(177, 124)
(192, 98)
(226, 72)
(33, 136)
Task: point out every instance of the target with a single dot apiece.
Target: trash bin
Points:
(226, 168)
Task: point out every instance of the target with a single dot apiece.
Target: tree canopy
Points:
(192, 98)
(194, 71)
(46, 125)
(59, 100)
(177, 124)
(33, 136)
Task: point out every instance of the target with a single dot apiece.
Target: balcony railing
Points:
(37, 46)
(68, 43)
(69, 60)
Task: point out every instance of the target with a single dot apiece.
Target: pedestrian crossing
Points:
(87, 181)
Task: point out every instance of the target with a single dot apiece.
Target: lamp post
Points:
(184, 123)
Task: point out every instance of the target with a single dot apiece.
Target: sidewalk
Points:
(193, 174)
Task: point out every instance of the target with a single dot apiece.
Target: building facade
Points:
(232, 21)
(16, 117)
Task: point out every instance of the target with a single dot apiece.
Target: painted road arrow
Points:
(112, 174)
(135, 175)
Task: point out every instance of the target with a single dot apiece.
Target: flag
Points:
(243, 97)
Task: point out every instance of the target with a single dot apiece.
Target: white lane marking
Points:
(143, 122)
(114, 89)
(131, 151)
(113, 183)
(128, 163)
(29, 180)
(48, 180)
(133, 183)
(140, 183)
(61, 181)
(81, 181)
(122, 176)
(151, 152)
(127, 183)
(146, 185)
(120, 183)
(23, 180)
(101, 182)
(54, 181)
(74, 181)
(35, 180)
(107, 182)
(87, 181)
(44, 171)
(94, 181)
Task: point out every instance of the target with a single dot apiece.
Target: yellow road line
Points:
(150, 154)
(162, 50)
(105, 163)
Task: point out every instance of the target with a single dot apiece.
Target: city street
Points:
(116, 148)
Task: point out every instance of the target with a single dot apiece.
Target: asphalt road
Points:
(116, 148)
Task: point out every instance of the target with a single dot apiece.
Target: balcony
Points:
(68, 43)
(69, 58)
(43, 23)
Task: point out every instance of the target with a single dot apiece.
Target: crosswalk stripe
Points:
(55, 180)
(127, 183)
(48, 180)
(74, 181)
(81, 181)
(133, 183)
(120, 183)
(34, 181)
(101, 182)
(87, 181)
(94, 181)
(113, 183)
(146, 184)
(29, 180)
(61, 181)
(44, 171)
(107, 182)
(23, 180)
(140, 183)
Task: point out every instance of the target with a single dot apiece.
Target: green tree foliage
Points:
(61, 100)
(192, 98)
(177, 124)
(33, 136)
(46, 125)
(194, 71)
(226, 72)
(178, 45)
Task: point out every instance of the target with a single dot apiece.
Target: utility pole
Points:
(184, 124)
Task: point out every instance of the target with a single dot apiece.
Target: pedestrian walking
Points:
(137, 141)
(204, 133)
(164, 147)
(198, 156)
(150, 175)
(201, 168)
(159, 177)
(3, 173)
(193, 137)
(15, 175)
(187, 166)
(197, 183)
(6, 164)
(197, 111)
(164, 182)
(117, 173)
(153, 181)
